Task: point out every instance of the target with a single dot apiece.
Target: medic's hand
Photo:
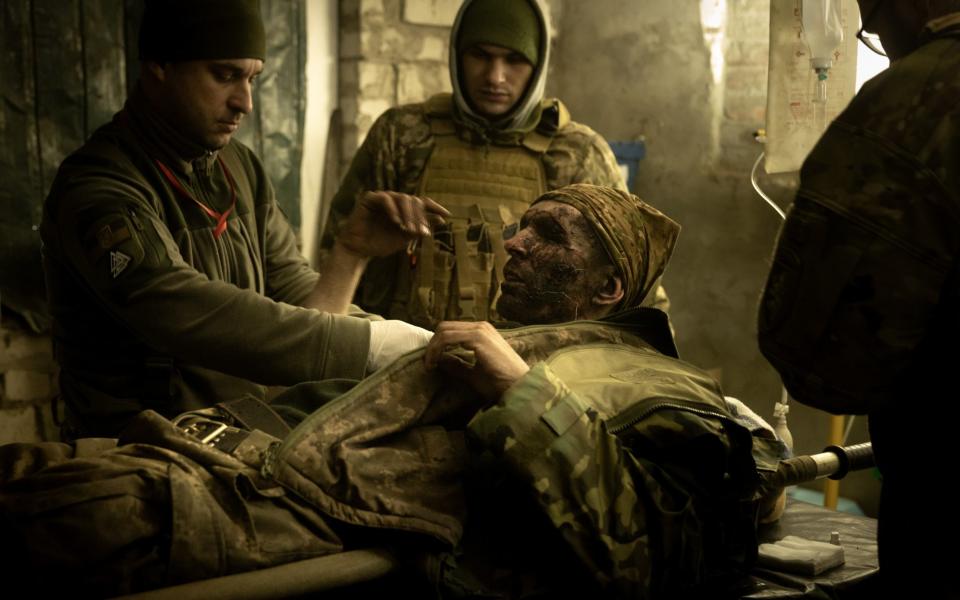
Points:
(389, 340)
(382, 223)
(496, 367)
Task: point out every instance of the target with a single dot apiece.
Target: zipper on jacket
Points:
(135, 220)
(639, 412)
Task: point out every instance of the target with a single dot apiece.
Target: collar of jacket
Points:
(163, 141)
(482, 132)
(652, 325)
(552, 116)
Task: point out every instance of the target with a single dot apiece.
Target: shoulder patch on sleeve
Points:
(104, 236)
(112, 246)
(118, 263)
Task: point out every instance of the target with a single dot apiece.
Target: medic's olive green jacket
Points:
(151, 308)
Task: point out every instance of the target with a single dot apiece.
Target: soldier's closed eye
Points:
(549, 228)
(229, 74)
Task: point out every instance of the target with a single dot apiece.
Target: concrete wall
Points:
(389, 55)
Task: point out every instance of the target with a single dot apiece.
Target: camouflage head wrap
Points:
(638, 238)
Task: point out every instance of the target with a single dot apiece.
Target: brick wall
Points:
(745, 84)
(391, 53)
(27, 385)
(395, 52)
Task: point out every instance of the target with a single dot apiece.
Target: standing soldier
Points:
(485, 153)
(861, 311)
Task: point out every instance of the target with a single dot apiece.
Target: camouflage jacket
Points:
(647, 483)
(864, 291)
(395, 153)
(628, 456)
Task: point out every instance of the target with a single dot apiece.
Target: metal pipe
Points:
(284, 581)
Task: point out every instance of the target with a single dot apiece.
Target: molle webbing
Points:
(485, 188)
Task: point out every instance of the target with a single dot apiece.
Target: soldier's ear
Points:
(610, 293)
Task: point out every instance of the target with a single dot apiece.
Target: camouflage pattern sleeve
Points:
(620, 513)
(599, 165)
(360, 177)
(391, 157)
(865, 265)
(578, 154)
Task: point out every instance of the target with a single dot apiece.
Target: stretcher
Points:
(363, 572)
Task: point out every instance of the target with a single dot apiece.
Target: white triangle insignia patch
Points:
(118, 263)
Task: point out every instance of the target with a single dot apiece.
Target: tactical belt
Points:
(215, 427)
(210, 432)
(252, 413)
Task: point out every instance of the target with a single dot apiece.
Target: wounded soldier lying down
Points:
(575, 454)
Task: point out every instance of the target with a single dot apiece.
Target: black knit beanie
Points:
(175, 30)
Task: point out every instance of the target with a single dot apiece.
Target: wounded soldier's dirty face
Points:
(556, 265)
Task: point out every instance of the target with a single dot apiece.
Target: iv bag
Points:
(791, 124)
(823, 30)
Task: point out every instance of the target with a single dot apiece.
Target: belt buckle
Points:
(205, 430)
(211, 438)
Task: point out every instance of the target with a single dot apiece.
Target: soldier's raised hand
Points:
(382, 223)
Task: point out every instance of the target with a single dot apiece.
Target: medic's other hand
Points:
(389, 340)
(382, 223)
(497, 366)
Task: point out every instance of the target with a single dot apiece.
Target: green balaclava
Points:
(511, 24)
(176, 30)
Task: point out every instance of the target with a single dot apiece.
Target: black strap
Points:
(254, 413)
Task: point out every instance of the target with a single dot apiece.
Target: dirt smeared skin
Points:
(555, 267)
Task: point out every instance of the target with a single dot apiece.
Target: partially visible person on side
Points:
(861, 309)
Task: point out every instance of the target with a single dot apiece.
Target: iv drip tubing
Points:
(756, 187)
